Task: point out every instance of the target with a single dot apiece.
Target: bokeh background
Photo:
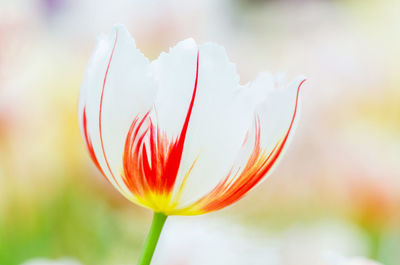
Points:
(335, 193)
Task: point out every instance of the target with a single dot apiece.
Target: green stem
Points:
(152, 239)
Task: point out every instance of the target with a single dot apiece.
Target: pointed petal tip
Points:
(216, 50)
(298, 82)
(122, 32)
(188, 43)
(110, 36)
(301, 79)
(119, 27)
(115, 28)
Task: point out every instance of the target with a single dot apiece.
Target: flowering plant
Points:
(180, 135)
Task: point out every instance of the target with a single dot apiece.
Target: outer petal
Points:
(279, 110)
(275, 120)
(117, 87)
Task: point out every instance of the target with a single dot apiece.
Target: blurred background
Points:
(335, 193)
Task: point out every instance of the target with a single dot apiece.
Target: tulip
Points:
(180, 135)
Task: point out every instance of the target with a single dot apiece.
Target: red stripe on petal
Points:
(101, 110)
(89, 141)
(151, 160)
(174, 159)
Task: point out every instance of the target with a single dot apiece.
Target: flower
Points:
(221, 241)
(180, 135)
(217, 242)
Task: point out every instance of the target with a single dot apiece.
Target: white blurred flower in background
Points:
(204, 240)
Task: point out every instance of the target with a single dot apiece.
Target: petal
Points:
(274, 126)
(116, 88)
(175, 74)
(222, 114)
(280, 109)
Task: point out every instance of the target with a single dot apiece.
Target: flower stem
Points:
(152, 238)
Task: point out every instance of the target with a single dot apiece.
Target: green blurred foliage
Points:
(71, 224)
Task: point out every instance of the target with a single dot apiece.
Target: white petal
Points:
(222, 114)
(278, 115)
(118, 79)
(278, 110)
(271, 131)
(175, 73)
